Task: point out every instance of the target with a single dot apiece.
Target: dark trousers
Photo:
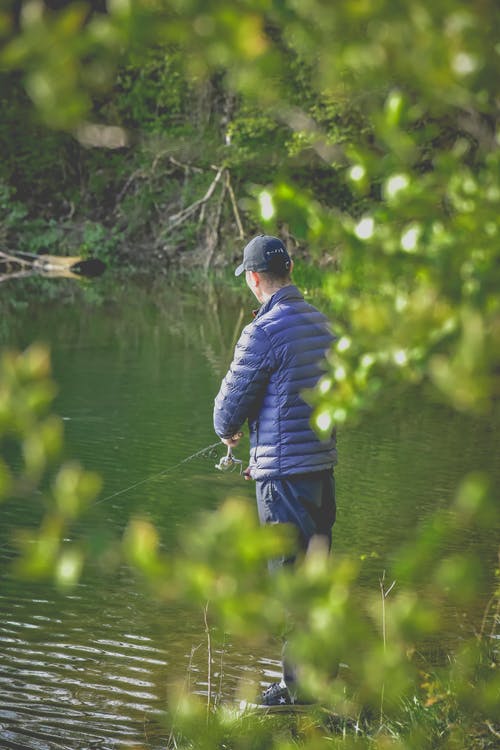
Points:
(308, 502)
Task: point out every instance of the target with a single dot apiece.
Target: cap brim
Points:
(240, 269)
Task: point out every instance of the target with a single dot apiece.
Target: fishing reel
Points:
(229, 462)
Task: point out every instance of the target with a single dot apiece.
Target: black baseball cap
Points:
(265, 253)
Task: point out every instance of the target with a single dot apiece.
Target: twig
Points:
(18, 275)
(234, 205)
(209, 650)
(221, 668)
(25, 266)
(487, 610)
(182, 165)
(14, 259)
(179, 218)
(495, 615)
(213, 232)
(237, 329)
(186, 686)
(492, 730)
(129, 181)
(384, 594)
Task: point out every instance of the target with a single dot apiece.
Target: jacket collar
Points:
(285, 293)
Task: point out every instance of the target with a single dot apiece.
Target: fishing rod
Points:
(226, 462)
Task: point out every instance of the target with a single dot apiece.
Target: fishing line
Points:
(202, 452)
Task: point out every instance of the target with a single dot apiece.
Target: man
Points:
(278, 355)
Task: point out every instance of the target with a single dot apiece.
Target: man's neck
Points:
(268, 293)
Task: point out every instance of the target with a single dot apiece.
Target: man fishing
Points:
(281, 353)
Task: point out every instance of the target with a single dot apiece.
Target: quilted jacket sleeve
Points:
(245, 383)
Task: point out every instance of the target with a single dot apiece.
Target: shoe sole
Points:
(278, 708)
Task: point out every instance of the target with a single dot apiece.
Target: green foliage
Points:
(12, 213)
(18, 230)
(153, 93)
(100, 241)
(257, 143)
(417, 291)
(51, 49)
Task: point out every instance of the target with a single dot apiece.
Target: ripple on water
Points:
(61, 686)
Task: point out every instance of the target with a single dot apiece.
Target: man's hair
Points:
(271, 278)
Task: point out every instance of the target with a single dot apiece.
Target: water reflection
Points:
(20, 265)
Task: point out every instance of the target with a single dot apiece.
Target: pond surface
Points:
(136, 377)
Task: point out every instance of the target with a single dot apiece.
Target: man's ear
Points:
(255, 278)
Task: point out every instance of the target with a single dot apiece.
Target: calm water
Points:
(136, 378)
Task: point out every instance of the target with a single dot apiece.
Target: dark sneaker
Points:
(276, 694)
(277, 697)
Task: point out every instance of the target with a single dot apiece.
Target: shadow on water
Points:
(136, 377)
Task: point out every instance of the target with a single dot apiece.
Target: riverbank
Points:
(181, 186)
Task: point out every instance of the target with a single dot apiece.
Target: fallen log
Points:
(17, 264)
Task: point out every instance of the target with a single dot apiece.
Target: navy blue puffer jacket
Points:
(278, 355)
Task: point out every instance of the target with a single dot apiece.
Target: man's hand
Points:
(232, 442)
